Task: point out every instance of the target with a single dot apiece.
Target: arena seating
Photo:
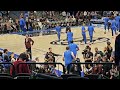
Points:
(93, 76)
(65, 76)
(76, 77)
(35, 75)
(45, 76)
(5, 76)
(15, 55)
(22, 76)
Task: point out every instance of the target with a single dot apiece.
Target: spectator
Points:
(85, 14)
(30, 25)
(67, 19)
(22, 23)
(1, 59)
(114, 73)
(12, 58)
(98, 58)
(28, 55)
(98, 52)
(106, 67)
(5, 29)
(73, 18)
(51, 66)
(88, 69)
(40, 25)
(97, 69)
(64, 14)
(10, 20)
(112, 58)
(37, 61)
(1, 53)
(105, 52)
(22, 68)
(109, 50)
(5, 56)
(6, 59)
(67, 27)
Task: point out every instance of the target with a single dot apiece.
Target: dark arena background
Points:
(40, 26)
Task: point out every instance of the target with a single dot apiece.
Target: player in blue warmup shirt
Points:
(68, 57)
(84, 34)
(22, 24)
(113, 26)
(106, 19)
(90, 30)
(58, 30)
(69, 36)
(117, 19)
(74, 48)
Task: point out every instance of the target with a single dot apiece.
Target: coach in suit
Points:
(28, 45)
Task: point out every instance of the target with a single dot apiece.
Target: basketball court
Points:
(15, 43)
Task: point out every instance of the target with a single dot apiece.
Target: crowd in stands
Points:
(49, 19)
(106, 55)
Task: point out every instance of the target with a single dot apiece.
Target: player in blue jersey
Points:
(106, 24)
(113, 27)
(74, 48)
(68, 57)
(91, 30)
(22, 24)
(69, 36)
(117, 19)
(84, 34)
(58, 30)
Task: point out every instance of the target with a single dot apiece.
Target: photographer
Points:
(87, 55)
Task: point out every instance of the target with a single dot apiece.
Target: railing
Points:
(43, 64)
(6, 74)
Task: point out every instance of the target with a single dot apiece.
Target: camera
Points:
(85, 50)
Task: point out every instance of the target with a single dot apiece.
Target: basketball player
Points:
(74, 48)
(68, 57)
(28, 43)
(91, 29)
(22, 24)
(69, 36)
(106, 24)
(84, 33)
(58, 30)
(113, 26)
(117, 19)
